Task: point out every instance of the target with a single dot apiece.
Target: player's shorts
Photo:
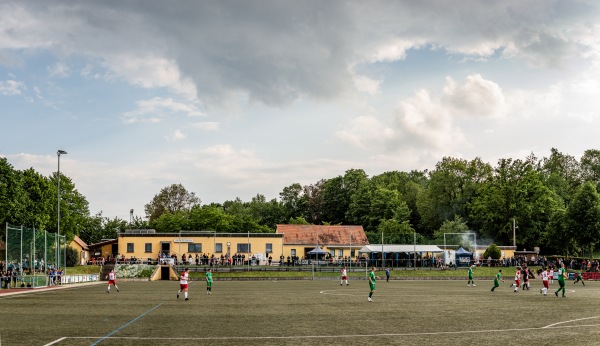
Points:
(344, 277)
(561, 283)
(518, 282)
(183, 287)
(112, 282)
(208, 283)
(545, 284)
(372, 286)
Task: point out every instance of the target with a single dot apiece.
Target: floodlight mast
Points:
(58, 153)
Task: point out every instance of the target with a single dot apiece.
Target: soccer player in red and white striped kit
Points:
(183, 283)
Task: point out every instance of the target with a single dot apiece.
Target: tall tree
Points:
(583, 216)
(13, 199)
(171, 199)
(39, 206)
(74, 207)
(590, 166)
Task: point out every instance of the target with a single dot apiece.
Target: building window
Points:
(129, 247)
(219, 247)
(243, 247)
(293, 252)
(332, 253)
(352, 253)
(269, 248)
(340, 253)
(148, 247)
(194, 247)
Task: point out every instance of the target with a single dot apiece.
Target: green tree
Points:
(583, 216)
(590, 166)
(38, 205)
(395, 232)
(292, 201)
(13, 198)
(74, 208)
(492, 251)
(173, 198)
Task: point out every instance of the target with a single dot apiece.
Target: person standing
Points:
(112, 280)
(551, 276)
(372, 280)
(209, 280)
(344, 276)
(387, 275)
(579, 278)
(561, 280)
(497, 280)
(517, 279)
(544, 274)
(471, 281)
(183, 283)
(526, 276)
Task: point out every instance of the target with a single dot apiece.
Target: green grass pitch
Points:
(287, 312)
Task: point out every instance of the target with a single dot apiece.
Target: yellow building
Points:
(145, 244)
(82, 248)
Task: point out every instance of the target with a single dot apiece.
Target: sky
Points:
(238, 98)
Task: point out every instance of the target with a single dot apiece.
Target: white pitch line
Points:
(331, 336)
(56, 341)
(575, 320)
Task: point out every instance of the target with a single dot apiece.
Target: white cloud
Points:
(418, 122)
(476, 97)
(423, 122)
(60, 70)
(12, 87)
(206, 125)
(367, 85)
(155, 109)
(176, 135)
(151, 72)
(365, 132)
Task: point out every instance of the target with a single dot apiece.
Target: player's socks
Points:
(185, 295)
(178, 293)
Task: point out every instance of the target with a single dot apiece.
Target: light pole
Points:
(58, 153)
(515, 233)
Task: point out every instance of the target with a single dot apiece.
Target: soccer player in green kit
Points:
(497, 280)
(579, 278)
(209, 281)
(372, 280)
(562, 273)
(471, 281)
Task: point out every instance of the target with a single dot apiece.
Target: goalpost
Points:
(30, 252)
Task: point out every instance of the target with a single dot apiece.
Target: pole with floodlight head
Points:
(58, 153)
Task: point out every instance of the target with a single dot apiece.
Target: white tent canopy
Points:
(374, 248)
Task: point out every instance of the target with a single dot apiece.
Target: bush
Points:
(72, 257)
(134, 271)
(492, 251)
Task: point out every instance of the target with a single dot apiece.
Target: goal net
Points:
(31, 254)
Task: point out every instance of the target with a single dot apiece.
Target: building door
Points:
(165, 248)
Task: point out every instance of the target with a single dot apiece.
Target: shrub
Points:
(134, 271)
(492, 251)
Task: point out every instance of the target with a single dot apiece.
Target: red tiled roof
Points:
(328, 235)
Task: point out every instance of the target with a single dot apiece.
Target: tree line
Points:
(554, 202)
